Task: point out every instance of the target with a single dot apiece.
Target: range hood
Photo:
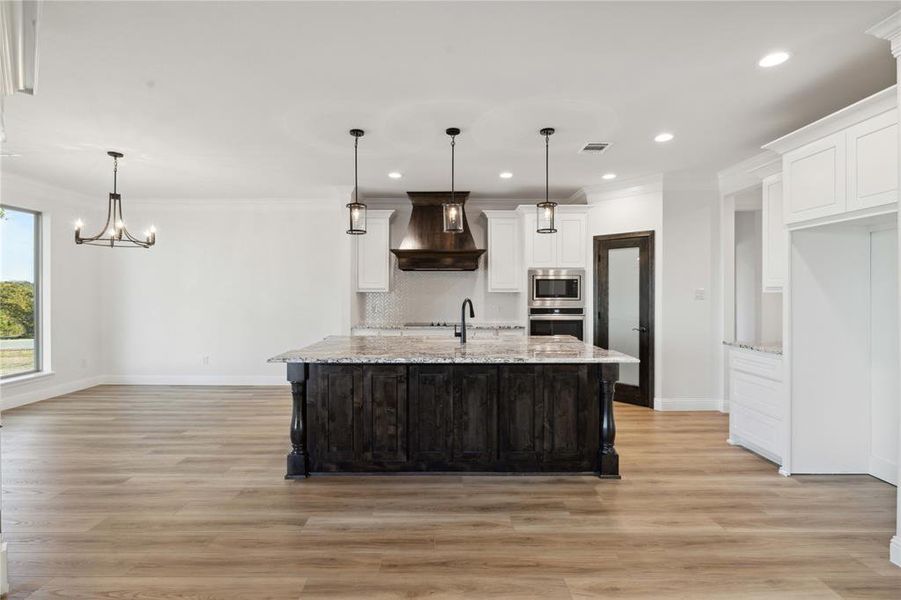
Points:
(426, 247)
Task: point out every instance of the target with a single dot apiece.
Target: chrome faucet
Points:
(462, 333)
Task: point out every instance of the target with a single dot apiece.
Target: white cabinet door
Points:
(373, 256)
(571, 239)
(873, 162)
(541, 248)
(815, 179)
(775, 236)
(504, 250)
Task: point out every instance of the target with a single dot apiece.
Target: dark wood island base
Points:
(476, 418)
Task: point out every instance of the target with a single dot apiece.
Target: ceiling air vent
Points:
(594, 148)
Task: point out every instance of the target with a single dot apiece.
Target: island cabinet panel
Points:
(475, 416)
(385, 414)
(521, 416)
(337, 440)
(431, 391)
(570, 440)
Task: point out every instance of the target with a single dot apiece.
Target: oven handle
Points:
(556, 317)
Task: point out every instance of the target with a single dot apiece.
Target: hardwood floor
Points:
(174, 492)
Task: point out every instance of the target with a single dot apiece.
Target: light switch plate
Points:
(700, 294)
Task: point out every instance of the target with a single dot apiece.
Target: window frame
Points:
(38, 295)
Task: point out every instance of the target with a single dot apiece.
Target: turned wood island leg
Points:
(608, 459)
(298, 458)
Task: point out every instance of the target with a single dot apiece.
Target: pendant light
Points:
(453, 211)
(114, 233)
(356, 211)
(547, 210)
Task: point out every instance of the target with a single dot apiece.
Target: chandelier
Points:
(114, 233)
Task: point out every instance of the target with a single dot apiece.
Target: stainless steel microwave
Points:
(556, 288)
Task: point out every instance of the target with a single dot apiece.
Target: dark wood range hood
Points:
(426, 247)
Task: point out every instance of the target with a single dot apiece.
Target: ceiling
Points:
(254, 100)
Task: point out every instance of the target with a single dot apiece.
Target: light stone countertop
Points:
(769, 348)
(411, 349)
(441, 325)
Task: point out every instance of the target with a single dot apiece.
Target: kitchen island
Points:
(418, 404)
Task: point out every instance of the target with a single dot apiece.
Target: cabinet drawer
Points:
(757, 393)
(756, 363)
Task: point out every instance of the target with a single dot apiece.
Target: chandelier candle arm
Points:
(115, 229)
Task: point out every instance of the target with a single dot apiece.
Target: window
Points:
(20, 323)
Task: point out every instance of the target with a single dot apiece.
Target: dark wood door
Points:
(570, 409)
(338, 436)
(385, 414)
(475, 416)
(624, 309)
(521, 416)
(431, 392)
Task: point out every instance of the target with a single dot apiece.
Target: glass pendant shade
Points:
(453, 217)
(546, 217)
(356, 210)
(356, 213)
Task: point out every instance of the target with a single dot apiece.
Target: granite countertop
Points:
(768, 347)
(441, 324)
(414, 349)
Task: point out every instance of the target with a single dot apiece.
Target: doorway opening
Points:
(624, 309)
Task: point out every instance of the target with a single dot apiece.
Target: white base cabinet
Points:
(757, 402)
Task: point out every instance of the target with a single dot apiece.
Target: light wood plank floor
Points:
(171, 492)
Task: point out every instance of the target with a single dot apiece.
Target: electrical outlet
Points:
(205, 359)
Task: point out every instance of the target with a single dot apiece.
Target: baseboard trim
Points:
(195, 380)
(4, 579)
(894, 550)
(688, 404)
(28, 396)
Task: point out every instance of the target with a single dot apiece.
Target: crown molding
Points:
(889, 29)
(749, 172)
(623, 189)
(861, 110)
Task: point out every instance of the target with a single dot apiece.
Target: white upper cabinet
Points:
(775, 236)
(566, 248)
(873, 162)
(372, 253)
(844, 166)
(504, 251)
(815, 179)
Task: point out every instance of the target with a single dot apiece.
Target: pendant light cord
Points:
(356, 184)
(547, 166)
(453, 143)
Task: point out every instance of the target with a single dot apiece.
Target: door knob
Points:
(641, 329)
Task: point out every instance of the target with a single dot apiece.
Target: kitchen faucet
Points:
(462, 333)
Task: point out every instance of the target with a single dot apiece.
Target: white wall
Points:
(692, 346)
(75, 293)
(748, 277)
(228, 285)
(884, 382)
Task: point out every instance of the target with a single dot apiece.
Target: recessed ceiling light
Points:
(506, 175)
(663, 137)
(395, 175)
(608, 176)
(772, 59)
